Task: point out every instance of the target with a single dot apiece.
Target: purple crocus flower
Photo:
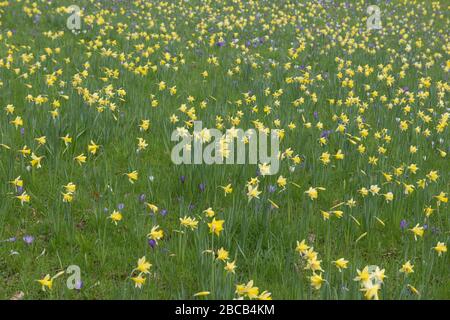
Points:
(28, 239)
(142, 197)
(22, 131)
(120, 206)
(220, 44)
(78, 285)
(403, 224)
(163, 212)
(316, 115)
(152, 243)
(182, 179)
(202, 187)
(272, 188)
(325, 134)
(19, 190)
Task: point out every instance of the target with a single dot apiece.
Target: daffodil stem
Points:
(213, 266)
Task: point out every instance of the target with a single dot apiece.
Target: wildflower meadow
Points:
(228, 149)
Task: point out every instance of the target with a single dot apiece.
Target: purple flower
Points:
(142, 197)
(325, 134)
(202, 187)
(152, 243)
(316, 115)
(13, 239)
(272, 188)
(191, 206)
(78, 285)
(182, 179)
(220, 43)
(22, 131)
(28, 239)
(403, 224)
(120, 206)
(163, 212)
(19, 190)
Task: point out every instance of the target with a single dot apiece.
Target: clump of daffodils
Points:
(69, 193)
(370, 279)
(251, 292)
(138, 274)
(312, 263)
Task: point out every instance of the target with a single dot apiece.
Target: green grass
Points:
(261, 239)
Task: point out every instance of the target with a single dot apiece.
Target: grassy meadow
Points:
(358, 210)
